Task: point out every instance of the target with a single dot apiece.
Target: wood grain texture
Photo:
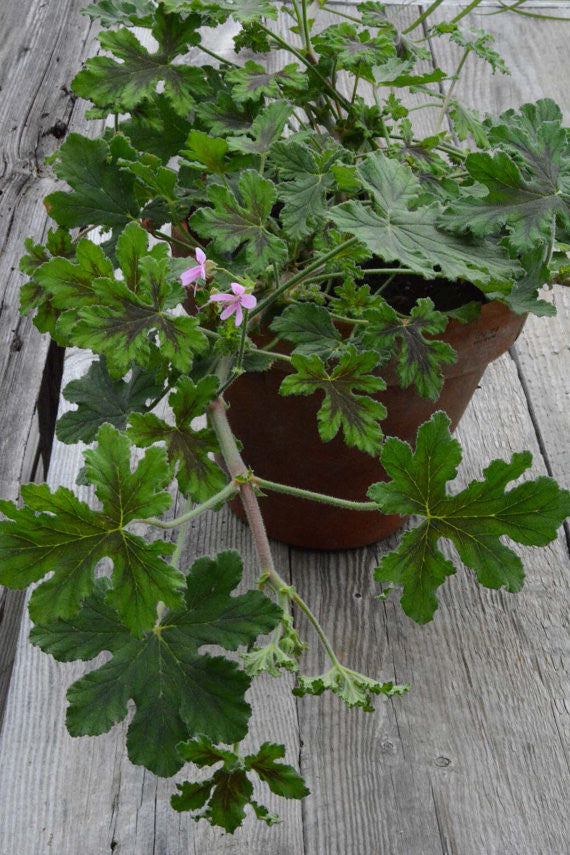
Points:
(42, 45)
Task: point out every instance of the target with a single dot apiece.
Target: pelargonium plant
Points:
(292, 180)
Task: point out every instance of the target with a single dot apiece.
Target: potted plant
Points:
(333, 252)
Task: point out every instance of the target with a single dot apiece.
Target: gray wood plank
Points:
(43, 44)
(475, 758)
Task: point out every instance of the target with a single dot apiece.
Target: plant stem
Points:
(218, 57)
(464, 12)
(176, 241)
(237, 469)
(336, 96)
(422, 17)
(306, 33)
(221, 496)
(323, 498)
(344, 320)
(301, 275)
(274, 355)
(445, 104)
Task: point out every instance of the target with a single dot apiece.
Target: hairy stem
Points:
(422, 17)
(323, 498)
(221, 496)
(299, 277)
(238, 471)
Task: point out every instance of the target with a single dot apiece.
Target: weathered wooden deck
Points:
(475, 759)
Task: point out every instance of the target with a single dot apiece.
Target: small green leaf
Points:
(205, 150)
(473, 519)
(309, 328)
(420, 358)
(265, 130)
(252, 80)
(230, 790)
(307, 178)
(282, 779)
(358, 415)
(198, 476)
(351, 687)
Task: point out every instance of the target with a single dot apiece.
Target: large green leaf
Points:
(396, 228)
(101, 399)
(102, 193)
(419, 358)
(474, 519)
(527, 181)
(56, 532)
(354, 49)
(178, 692)
(111, 12)
(198, 476)
(120, 85)
(358, 415)
(245, 219)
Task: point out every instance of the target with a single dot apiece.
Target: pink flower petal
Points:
(239, 315)
(229, 310)
(190, 275)
(200, 255)
(237, 289)
(222, 298)
(248, 301)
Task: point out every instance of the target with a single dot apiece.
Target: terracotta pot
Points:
(281, 441)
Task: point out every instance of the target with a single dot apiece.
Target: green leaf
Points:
(242, 10)
(110, 12)
(120, 86)
(351, 687)
(56, 532)
(307, 178)
(399, 72)
(419, 358)
(474, 519)
(224, 116)
(178, 692)
(130, 311)
(205, 150)
(282, 779)
(527, 181)
(102, 193)
(265, 129)
(229, 790)
(101, 399)
(198, 476)
(475, 40)
(309, 328)
(524, 295)
(354, 49)
(157, 128)
(252, 80)
(245, 219)
(395, 230)
(467, 122)
(358, 415)
(70, 282)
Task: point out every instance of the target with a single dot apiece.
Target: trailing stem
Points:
(241, 475)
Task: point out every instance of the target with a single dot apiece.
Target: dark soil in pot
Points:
(281, 441)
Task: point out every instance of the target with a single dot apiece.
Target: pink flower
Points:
(195, 273)
(235, 302)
